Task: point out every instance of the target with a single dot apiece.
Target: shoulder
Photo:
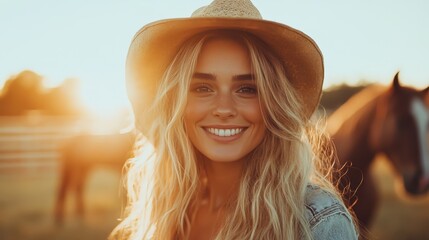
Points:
(320, 203)
(327, 216)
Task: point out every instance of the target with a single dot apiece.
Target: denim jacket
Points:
(328, 218)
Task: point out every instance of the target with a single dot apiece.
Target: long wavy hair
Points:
(164, 180)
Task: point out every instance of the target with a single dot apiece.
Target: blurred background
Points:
(62, 75)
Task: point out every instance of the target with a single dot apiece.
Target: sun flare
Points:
(107, 108)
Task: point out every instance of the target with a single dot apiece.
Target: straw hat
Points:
(156, 43)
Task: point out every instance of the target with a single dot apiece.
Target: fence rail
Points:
(32, 142)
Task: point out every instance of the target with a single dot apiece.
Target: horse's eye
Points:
(402, 123)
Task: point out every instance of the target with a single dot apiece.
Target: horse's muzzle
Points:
(418, 185)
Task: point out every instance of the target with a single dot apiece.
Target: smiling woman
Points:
(225, 100)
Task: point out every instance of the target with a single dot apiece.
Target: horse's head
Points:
(400, 131)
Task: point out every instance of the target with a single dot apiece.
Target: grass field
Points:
(27, 200)
(27, 203)
(399, 217)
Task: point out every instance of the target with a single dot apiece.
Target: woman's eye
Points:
(248, 90)
(201, 88)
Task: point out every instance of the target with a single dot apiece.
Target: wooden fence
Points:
(32, 141)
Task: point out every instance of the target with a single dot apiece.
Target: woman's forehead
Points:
(223, 55)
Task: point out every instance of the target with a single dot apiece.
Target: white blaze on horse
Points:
(84, 152)
(392, 121)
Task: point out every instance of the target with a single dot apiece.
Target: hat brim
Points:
(155, 45)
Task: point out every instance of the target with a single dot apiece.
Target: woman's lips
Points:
(225, 133)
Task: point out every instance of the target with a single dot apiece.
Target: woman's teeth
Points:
(224, 132)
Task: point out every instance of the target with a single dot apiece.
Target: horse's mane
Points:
(353, 105)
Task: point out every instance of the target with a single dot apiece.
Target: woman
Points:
(224, 99)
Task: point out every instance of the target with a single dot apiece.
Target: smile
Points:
(225, 132)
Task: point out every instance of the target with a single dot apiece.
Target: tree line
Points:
(26, 91)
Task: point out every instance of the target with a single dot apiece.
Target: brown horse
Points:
(392, 121)
(82, 153)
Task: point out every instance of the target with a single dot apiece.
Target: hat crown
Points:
(229, 8)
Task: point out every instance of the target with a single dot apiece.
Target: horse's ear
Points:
(425, 94)
(395, 83)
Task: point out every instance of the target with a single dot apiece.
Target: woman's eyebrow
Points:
(244, 77)
(204, 76)
(209, 76)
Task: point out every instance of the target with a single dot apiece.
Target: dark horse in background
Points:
(392, 121)
(80, 154)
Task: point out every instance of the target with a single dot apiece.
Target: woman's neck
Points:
(221, 183)
(219, 188)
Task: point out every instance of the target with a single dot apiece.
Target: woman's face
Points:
(223, 116)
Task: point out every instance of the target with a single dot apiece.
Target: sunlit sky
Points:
(360, 39)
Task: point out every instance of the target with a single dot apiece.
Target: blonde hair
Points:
(163, 183)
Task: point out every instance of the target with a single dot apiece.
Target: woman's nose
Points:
(225, 107)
